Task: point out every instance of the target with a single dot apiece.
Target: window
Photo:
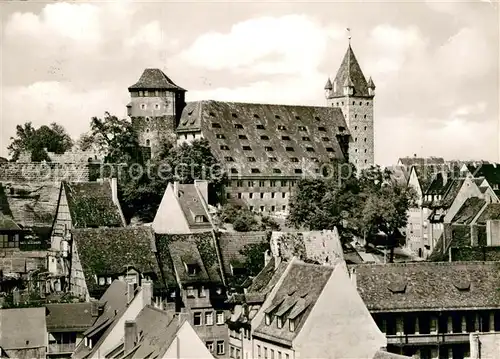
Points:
(322, 129)
(251, 159)
(157, 106)
(143, 106)
(273, 194)
(364, 116)
(238, 126)
(306, 139)
(190, 292)
(210, 346)
(209, 318)
(365, 128)
(264, 137)
(192, 268)
(268, 319)
(197, 319)
(283, 195)
(330, 149)
(224, 147)
(355, 139)
(298, 170)
(220, 318)
(282, 128)
(228, 195)
(242, 137)
(364, 140)
(247, 148)
(355, 116)
(262, 208)
(199, 219)
(302, 128)
(229, 159)
(239, 183)
(294, 159)
(309, 149)
(279, 322)
(289, 149)
(353, 102)
(314, 159)
(262, 183)
(234, 115)
(283, 208)
(325, 139)
(9, 241)
(239, 195)
(292, 325)
(276, 170)
(273, 159)
(279, 354)
(259, 352)
(365, 150)
(285, 138)
(287, 356)
(265, 353)
(273, 208)
(148, 142)
(260, 127)
(231, 354)
(283, 183)
(141, 93)
(234, 170)
(255, 170)
(262, 195)
(251, 208)
(317, 118)
(272, 183)
(215, 125)
(251, 184)
(255, 115)
(220, 347)
(250, 195)
(272, 353)
(220, 136)
(108, 280)
(355, 127)
(102, 280)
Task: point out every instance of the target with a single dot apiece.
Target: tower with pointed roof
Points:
(156, 104)
(350, 91)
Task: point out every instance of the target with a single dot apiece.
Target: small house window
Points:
(234, 170)
(102, 281)
(197, 319)
(268, 319)
(279, 322)
(190, 292)
(210, 346)
(199, 219)
(292, 325)
(192, 268)
(220, 347)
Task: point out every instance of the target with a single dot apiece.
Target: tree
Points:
(244, 220)
(359, 206)
(52, 138)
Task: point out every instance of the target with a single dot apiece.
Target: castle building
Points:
(264, 148)
(351, 92)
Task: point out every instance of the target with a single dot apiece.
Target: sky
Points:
(435, 64)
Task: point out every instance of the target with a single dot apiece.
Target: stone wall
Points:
(40, 172)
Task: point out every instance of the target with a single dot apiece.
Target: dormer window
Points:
(192, 268)
(273, 159)
(302, 128)
(242, 137)
(291, 324)
(199, 219)
(330, 149)
(224, 147)
(238, 126)
(215, 125)
(211, 114)
(276, 170)
(281, 128)
(285, 138)
(306, 139)
(220, 136)
(234, 115)
(264, 137)
(294, 159)
(190, 292)
(260, 127)
(322, 129)
(289, 149)
(234, 170)
(247, 148)
(298, 171)
(277, 117)
(251, 159)
(317, 118)
(229, 159)
(309, 149)
(268, 149)
(255, 170)
(255, 115)
(268, 319)
(279, 322)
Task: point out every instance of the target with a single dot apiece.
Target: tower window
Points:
(365, 150)
(355, 116)
(355, 139)
(147, 130)
(367, 103)
(365, 139)
(143, 106)
(342, 103)
(147, 118)
(366, 161)
(285, 138)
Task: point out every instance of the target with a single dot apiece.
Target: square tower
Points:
(354, 95)
(156, 104)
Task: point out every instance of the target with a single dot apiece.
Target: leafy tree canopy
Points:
(244, 220)
(52, 138)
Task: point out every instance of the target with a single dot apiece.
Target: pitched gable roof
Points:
(177, 252)
(429, 285)
(8, 224)
(469, 210)
(192, 204)
(109, 251)
(491, 172)
(155, 79)
(491, 212)
(66, 317)
(421, 161)
(350, 73)
(264, 282)
(23, 328)
(268, 140)
(297, 294)
(91, 204)
(4, 203)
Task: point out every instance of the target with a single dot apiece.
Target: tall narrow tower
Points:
(354, 95)
(155, 107)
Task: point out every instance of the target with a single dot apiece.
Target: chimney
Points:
(130, 292)
(114, 189)
(147, 292)
(475, 346)
(267, 257)
(176, 188)
(130, 337)
(202, 187)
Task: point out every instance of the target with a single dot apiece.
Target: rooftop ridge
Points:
(420, 263)
(203, 102)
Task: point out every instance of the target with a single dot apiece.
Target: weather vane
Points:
(349, 34)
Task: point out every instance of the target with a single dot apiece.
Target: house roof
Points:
(450, 193)
(469, 210)
(155, 79)
(350, 73)
(491, 171)
(296, 295)
(7, 223)
(158, 330)
(192, 204)
(115, 304)
(4, 203)
(178, 251)
(439, 183)
(429, 285)
(316, 246)
(491, 212)
(64, 317)
(109, 251)
(23, 328)
(386, 355)
(400, 174)
(267, 140)
(232, 246)
(91, 204)
(421, 161)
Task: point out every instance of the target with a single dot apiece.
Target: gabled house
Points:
(490, 171)
(201, 285)
(97, 256)
(81, 205)
(159, 334)
(66, 323)
(121, 302)
(23, 333)
(184, 209)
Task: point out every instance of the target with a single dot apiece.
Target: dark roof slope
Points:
(469, 210)
(297, 294)
(65, 317)
(108, 251)
(386, 355)
(265, 139)
(264, 282)
(491, 171)
(350, 73)
(91, 205)
(7, 223)
(4, 203)
(191, 203)
(491, 212)
(429, 286)
(178, 251)
(22, 328)
(232, 244)
(155, 79)
(420, 161)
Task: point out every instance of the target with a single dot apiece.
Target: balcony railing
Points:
(60, 348)
(435, 338)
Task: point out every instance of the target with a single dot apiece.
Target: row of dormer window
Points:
(145, 106)
(239, 126)
(259, 195)
(354, 103)
(271, 149)
(267, 208)
(256, 116)
(221, 136)
(280, 321)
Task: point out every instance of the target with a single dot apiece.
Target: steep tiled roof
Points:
(451, 193)
(155, 79)
(267, 140)
(158, 329)
(4, 203)
(182, 250)
(491, 172)
(108, 251)
(350, 72)
(22, 328)
(439, 183)
(386, 355)
(264, 282)
(491, 212)
(65, 317)
(317, 246)
(469, 210)
(91, 205)
(7, 223)
(400, 174)
(429, 286)
(297, 294)
(420, 161)
(232, 244)
(192, 205)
